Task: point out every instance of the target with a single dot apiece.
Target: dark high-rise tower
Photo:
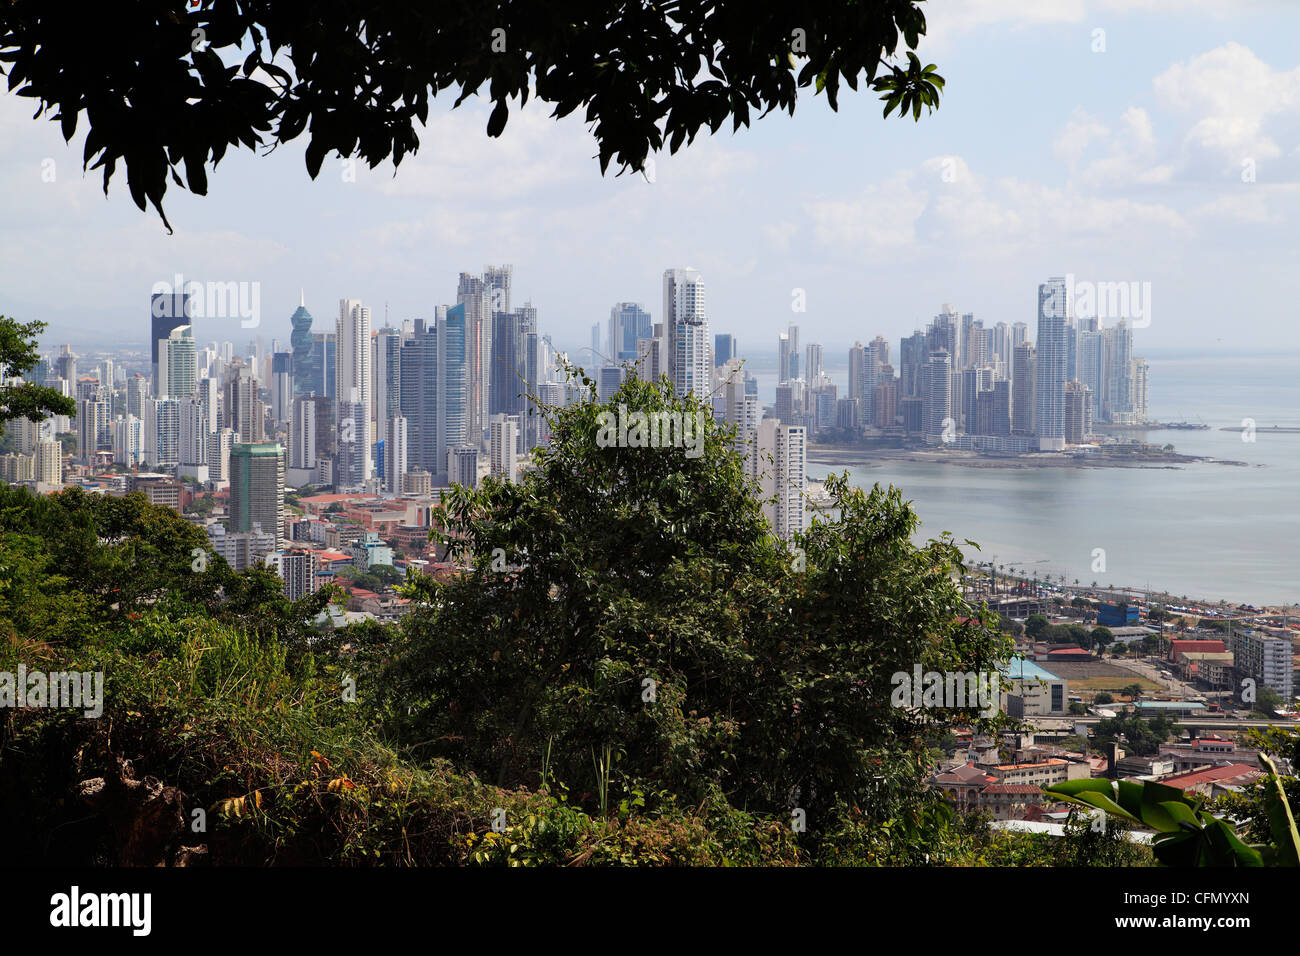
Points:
(301, 341)
(724, 347)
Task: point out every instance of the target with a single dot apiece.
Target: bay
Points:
(1206, 530)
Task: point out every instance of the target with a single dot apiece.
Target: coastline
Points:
(865, 456)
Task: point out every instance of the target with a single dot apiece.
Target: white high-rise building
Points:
(352, 377)
(782, 483)
(27, 433)
(742, 410)
(788, 355)
(92, 422)
(302, 433)
(690, 347)
(396, 454)
(176, 374)
(1141, 389)
(196, 429)
(219, 446)
(209, 393)
(473, 295)
(128, 441)
(49, 463)
(297, 569)
(162, 431)
(281, 386)
(937, 417)
(1118, 400)
(137, 392)
(812, 366)
(502, 444)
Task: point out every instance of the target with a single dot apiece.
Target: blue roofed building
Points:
(1032, 690)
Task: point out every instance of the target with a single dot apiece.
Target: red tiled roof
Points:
(967, 774)
(1196, 777)
(1050, 762)
(1024, 788)
(1192, 646)
(332, 499)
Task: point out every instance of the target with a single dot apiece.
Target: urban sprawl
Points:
(325, 458)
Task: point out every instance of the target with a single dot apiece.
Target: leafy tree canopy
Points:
(647, 621)
(18, 354)
(356, 78)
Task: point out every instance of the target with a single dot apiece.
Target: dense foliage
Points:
(768, 737)
(357, 79)
(646, 636)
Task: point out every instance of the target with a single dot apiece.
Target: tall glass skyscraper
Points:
(627, 323)
(1052, 364)
(454, 347)
(724, 348)
(323, 360)
(512, 333)
(418, 396)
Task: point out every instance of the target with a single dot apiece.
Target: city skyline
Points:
(1128, 166)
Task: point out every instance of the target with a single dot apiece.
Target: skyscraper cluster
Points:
(453, 395)
(961, 384)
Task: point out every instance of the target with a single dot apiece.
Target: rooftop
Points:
(1017, 668)
(1169, 705)
(1211, 775)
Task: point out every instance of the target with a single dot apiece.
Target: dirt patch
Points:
(1099, 675)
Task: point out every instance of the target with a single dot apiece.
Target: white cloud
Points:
(882, 216)
(1230, 96)
(1078, 134)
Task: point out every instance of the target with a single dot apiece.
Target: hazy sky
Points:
(1046, 157)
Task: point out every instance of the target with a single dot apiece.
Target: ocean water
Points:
(1207, 530)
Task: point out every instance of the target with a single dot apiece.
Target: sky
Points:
(1115, 140)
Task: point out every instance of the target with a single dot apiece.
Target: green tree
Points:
(1268, 701)
(656, 627)
(1035, 624)
(18, 354)
(357, 79)
(1102, 637)
(387, 574)
(116, 559)
(1055, 634)
(1103, 698)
